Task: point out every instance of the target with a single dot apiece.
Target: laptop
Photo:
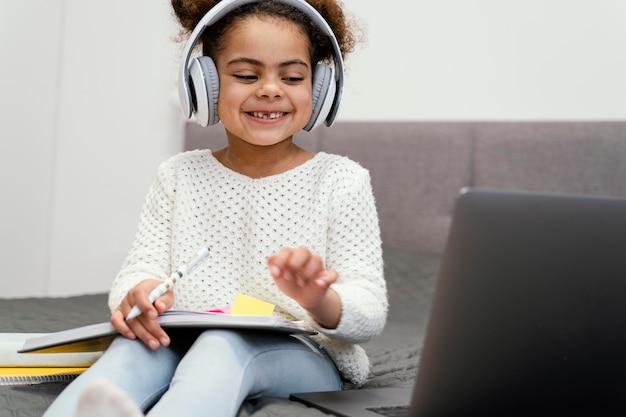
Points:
(528, 317)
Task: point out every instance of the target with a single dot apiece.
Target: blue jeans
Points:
(210, 376)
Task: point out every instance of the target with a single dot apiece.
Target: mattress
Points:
(394, 355)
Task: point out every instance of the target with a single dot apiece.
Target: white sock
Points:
(103, 399)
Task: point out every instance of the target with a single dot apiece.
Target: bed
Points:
(394, 355)
(417, 169)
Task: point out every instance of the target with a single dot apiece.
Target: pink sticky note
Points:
(223, 310)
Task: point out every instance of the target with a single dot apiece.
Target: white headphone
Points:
(198, 81)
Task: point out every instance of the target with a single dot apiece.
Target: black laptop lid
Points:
(529, 315)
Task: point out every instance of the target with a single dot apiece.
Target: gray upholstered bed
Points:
(417, 169)
(394, 355)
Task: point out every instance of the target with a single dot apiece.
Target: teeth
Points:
(267, 116)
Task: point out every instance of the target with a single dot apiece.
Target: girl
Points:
(293, 228)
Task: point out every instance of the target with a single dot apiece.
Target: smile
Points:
(267, 116)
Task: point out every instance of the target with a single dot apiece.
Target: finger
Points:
(305, 266)
(294, 266)
(305, 262)
(313, 267)
(140, 296)
(273, 265)
(298, 258)
(147, 308)
(164, 302)
(278, 264)
(150, 332)
(281, 258)
(118, 321)
(326, 279)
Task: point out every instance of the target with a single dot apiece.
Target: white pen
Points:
(167, 285)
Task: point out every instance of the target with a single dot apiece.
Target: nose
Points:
(270, 88)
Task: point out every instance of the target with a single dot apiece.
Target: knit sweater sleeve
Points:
(354, 251)
(150, 254)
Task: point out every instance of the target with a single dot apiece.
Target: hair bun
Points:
(189, 12)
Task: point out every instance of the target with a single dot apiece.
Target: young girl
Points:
(293, 228)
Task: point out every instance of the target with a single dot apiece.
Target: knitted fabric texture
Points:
(325, 204)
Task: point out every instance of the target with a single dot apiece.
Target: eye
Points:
(293, 80)
(246, 78)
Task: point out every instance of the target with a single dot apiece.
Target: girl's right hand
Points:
(145, 326)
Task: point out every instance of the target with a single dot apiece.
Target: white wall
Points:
(117, 122)
(29, 75)
(87, 116)
(490, 60)
(88, 106)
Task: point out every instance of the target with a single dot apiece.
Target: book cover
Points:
(10, 343)
(97, 337)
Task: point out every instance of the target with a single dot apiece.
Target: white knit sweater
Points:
(325, 204)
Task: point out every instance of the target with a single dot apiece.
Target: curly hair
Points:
(189, 13)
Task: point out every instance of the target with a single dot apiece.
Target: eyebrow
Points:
(258, 63)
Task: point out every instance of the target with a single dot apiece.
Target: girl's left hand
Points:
(301, 275)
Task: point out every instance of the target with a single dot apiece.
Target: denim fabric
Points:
(220, 370)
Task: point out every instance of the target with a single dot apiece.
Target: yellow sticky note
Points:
(245, 305)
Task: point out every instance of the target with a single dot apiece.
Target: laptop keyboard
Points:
(396, 411)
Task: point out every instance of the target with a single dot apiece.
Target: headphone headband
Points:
(226, 6)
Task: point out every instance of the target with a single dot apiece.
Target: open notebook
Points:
(97, 337)
(528, 318)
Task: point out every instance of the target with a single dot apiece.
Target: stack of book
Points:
(33, 358)
(29, 369)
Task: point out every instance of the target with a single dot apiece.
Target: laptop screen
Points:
(530, 308)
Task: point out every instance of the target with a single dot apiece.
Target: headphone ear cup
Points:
(204, 84)
(323, 95)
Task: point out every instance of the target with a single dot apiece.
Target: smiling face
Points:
(265, 80)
